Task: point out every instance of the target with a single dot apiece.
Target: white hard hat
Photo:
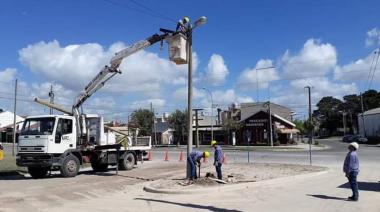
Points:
(355, 145)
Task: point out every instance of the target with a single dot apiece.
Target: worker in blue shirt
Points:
(193, 160)
(351, 169)
(218, 158)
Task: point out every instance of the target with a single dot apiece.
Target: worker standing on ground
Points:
(193, 160)
(351, 169)
(218, 158)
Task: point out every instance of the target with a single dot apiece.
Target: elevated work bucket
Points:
(177, 48)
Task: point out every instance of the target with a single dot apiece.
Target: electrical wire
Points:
(374, 70)
(153, 11)
(141, 10)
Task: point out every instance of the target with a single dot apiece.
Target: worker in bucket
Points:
(218, 158)
(351, 169)
(183, 25)
(193, 160)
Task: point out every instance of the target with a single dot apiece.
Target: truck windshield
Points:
(38, 126)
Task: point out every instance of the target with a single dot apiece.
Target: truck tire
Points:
(127, 162)
(99, 167)
(70, 166)
(38, 172)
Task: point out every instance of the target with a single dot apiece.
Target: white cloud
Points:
(226, 97)
(146, 103)
(321, 86)
(181, 93)
(8, 75)
(314, 59)
(259, 76)
(357, 70)
(75, 65)
(373, 37)
(216, 71)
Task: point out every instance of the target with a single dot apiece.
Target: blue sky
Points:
(326, 44)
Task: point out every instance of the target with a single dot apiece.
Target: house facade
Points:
(6, 125)
(256, 125)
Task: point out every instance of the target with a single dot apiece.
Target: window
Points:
(65, 126)
(38, 126)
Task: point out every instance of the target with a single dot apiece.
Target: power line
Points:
(142, 9)
(374, 69)
(153, 11)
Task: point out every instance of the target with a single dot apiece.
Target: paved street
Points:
(332, 156)
(105, 191)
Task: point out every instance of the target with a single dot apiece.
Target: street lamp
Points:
(212, 114)
(189, 33)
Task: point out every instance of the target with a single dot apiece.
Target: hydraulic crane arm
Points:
(109, 71)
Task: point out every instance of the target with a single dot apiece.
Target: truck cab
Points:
(44, 143)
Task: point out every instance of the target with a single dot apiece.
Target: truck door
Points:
(64, 136)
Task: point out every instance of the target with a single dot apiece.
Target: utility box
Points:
(177, 48)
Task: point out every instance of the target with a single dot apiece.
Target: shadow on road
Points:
(211, 208)
(321, 196)
(11, 175)
(364, 186)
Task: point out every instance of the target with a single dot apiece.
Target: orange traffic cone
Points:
(166, 156)
(224, 159)
(149, 156)
(181, 157)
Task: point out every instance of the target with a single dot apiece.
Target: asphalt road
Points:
(332, 156)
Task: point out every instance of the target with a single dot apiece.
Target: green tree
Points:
(143, 119)
(329, 108)
(300, 126)
(178, 121)
(230, 125)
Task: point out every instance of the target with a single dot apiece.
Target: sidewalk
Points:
(325, 192)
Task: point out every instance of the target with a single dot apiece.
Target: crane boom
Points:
(109, 71)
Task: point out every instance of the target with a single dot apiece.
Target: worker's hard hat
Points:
(206, 154)
(186, 20)
(355, 145)
(213, 142)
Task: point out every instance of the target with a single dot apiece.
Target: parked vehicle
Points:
(359, 139)
(347, 138)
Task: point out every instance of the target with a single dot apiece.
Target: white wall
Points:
(6, 119)
(371, 123)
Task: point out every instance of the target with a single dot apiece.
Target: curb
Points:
(150, 189)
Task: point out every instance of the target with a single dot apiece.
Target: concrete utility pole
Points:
(51, 95)
(196, 127)
(270, 125)
(361, 102)
(189, 32)
(310, 122)
(344, 123)
(153, 124)
(212, 113)
(14, 121)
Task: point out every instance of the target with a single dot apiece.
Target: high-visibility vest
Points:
(1, 154)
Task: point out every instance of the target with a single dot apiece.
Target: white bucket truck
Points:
(64, 142)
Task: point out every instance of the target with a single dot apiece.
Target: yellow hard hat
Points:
(186, 19)
(206, 154)
(213, 142)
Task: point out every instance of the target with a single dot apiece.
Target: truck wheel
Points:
(99, 167)
(38, 172)
(127, 162)
(70, 166)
